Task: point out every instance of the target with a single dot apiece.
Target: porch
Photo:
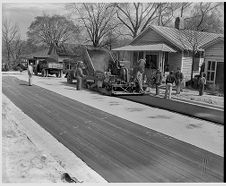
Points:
(156, 55)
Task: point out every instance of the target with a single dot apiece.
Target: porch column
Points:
(160, 61)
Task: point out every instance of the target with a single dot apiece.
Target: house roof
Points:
(182, 39)
(65, 49)
(210, 43)
(149, 47)
(38, 54)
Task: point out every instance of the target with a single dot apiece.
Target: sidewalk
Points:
(200, 133)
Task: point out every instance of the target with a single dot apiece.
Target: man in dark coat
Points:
(170, 79)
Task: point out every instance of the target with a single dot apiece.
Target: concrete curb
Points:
(191, 109)
(46, 142)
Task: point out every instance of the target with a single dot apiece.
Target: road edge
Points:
(45, 141)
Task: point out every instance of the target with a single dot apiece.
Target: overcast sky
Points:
(23, 13)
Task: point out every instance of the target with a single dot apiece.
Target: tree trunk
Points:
(192, 66)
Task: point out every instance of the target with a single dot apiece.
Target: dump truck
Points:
(104, 73)
(48, 66)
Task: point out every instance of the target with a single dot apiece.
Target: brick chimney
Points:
(179, 23)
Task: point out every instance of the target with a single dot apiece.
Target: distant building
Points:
(66, 53)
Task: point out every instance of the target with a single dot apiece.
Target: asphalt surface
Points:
(119, 150)
(201, 111)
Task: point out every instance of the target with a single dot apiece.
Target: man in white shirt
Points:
(30, 73)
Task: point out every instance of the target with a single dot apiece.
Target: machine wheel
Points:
(36, 72)
(69, 78)
(60, 73)
(43, 73)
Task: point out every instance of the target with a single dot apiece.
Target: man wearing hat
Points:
(170, 79)
(30, 73)
(80, 75)
(178, 80)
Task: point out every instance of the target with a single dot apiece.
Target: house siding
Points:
(186, 67)
(215, 51)
(174, 61)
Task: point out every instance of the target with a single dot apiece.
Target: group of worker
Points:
(154, 77)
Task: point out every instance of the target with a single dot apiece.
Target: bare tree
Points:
(10, 33)
(98, 20)
(183, 7)
(191, 40)
(166, 13)
(137, 16)
(204, 16)
(51, 30)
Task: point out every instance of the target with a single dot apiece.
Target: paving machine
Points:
(105, 74)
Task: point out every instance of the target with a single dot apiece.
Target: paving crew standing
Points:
(170, 79)
(178, 80)
(139, 74)
(158, 80)
(80, 75)
(201, 83)
(30, 73)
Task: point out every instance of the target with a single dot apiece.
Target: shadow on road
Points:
(25, 84)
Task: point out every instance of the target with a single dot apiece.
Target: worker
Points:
(178, 80)
(201, 83)
(139, 74)
(80, 75)
(158, 80)
(148, 76)
(170, 79)
(30, 73)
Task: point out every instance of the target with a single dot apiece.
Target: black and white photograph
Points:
(98, 92)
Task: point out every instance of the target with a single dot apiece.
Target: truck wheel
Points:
(43, 73)
(69, 79)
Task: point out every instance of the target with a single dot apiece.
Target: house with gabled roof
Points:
(168, 48)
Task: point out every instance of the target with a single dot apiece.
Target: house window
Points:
(211, 70)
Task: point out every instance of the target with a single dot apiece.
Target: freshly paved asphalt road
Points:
(201, 111)
(119, 150)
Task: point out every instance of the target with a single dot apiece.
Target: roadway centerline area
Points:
(119, 150)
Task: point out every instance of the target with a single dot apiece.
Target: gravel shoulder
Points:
(32, 155)
(23, 161)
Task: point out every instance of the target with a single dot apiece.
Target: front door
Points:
(151, 61)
